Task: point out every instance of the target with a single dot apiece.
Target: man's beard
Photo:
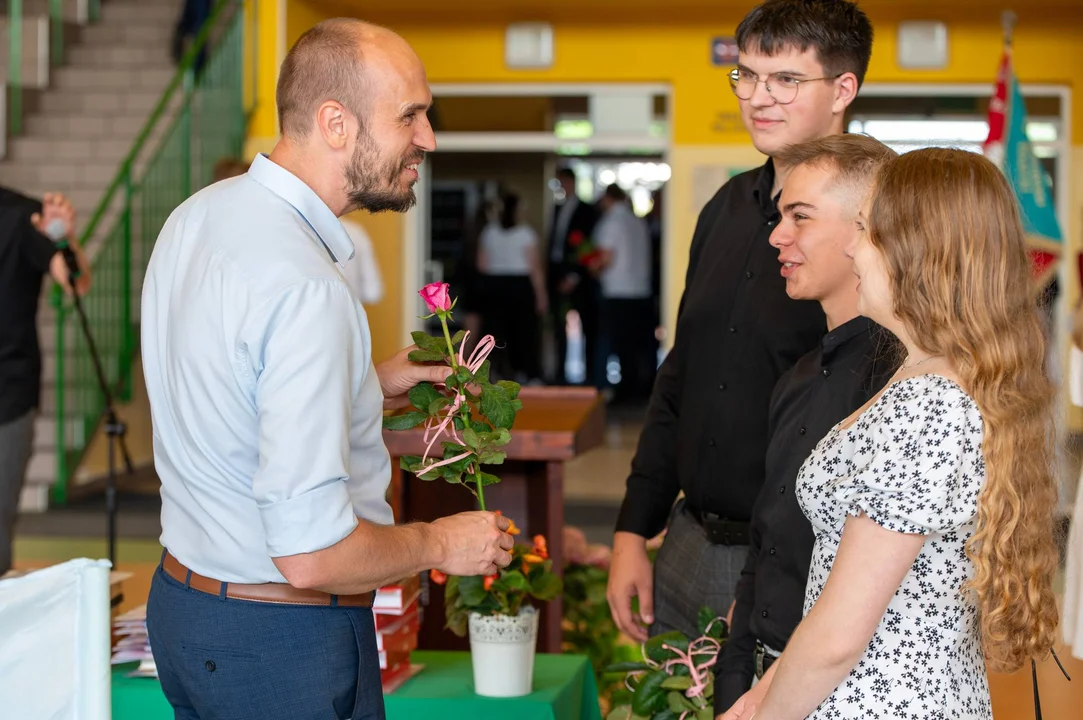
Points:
(367, 173)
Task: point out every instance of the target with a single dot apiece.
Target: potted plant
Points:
(674, 680)
(471, 417)
(502, 623)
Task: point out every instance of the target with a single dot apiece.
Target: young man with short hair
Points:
(820, 202)
(801, 65)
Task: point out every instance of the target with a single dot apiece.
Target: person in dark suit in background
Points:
(26, 255)
(570, 284)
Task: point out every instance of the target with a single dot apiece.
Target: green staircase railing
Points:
(200, 118)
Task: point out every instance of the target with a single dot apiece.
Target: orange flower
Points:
(488, 582)
(531, 558)
(437, 577)
(512, 530)
(540, 546)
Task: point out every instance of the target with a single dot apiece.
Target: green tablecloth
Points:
(563, 690)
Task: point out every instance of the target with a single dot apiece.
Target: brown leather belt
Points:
(264, 592)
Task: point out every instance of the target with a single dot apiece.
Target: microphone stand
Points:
(114, 428)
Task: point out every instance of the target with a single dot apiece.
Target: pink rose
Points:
(436, 296)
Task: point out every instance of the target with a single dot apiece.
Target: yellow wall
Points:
(675, 49)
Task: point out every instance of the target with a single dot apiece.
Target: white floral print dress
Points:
(912, 463)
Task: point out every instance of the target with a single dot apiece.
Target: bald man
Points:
(267, 408)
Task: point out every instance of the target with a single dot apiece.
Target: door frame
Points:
(416, 221)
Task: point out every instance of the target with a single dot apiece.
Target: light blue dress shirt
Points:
(265, 405)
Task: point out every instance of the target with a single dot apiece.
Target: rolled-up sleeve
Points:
(303, 399)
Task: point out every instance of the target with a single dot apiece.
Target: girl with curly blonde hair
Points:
(933, 504)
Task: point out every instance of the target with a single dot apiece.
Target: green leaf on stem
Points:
(546, 587)
(503, 437)
(404, 421)
(627, 667)
(512, 388)
(481, 377)
(492, 457)
(497, 406)
(674, 639)
(487, 479)
(458, 338)
(706, 713)
(704, 618)
(649, 697)
(678, 703)
(423, 356)
(677, 683)
(424, 341)
(438, 404)
(471, 590)
(515, 580)
(471, 438)
(422, 396)
(458, 423)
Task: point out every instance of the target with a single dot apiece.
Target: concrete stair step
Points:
(93, 101)
(45, 433)
(127, 80)
(41, 470)
(144, 34)
(42, 149)
(74, 125)
(60, 176)
(72, 11)
(165, 12)
(34, 497)
(34, 71)
(123, 56)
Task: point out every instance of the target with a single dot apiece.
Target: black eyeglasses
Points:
(780, 86)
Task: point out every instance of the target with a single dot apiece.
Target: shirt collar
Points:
(762, 190)
(838, 337)
(307, 203)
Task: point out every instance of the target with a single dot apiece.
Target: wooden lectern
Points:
(555, 425)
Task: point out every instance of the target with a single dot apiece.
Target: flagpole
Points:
(1007, 21)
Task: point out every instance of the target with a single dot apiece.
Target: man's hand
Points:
(475, 543)
(397, 375)
(631, 575)
(55, 206)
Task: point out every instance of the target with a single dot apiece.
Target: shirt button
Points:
(764, 613)
(827, 373)
(209, 665)
(748, 274)
(801, 431)
(711, 442)
(722, 387)
(772, 551)
(733, 330)
(782, 490)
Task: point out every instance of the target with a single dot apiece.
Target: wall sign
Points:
(724, 51)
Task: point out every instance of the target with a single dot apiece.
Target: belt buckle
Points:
(758, 655)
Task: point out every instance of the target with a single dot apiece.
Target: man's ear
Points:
(846, 87)
(331, 123)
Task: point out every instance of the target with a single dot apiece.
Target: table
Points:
(564, 689)
(555, 425)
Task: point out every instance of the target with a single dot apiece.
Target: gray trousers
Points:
(16, 444)
(689, 573)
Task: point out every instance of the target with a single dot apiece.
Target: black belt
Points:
(721, 531)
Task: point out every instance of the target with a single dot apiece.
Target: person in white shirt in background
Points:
(512, 294)
(624, 269)
(362, 272)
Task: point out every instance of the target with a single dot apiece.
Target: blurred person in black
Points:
(570, 284)
(801, 63)
(820, 205)
(26, 255)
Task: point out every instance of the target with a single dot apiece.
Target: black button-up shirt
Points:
(737, 333)
(25, 255)
(852, 364)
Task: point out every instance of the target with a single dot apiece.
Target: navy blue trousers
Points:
(225, 659)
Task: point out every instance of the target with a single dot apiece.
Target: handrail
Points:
(56, 27)
(207, 122)
(15, 66)
(187, 63)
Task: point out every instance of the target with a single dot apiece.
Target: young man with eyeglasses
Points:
(801, 64)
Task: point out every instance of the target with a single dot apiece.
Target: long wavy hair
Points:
(949, 229)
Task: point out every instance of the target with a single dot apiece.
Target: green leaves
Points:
(423, 356)
(487, 479)
(423, 395)
(472, 590)
(404, 421)
(649, 696)
(496, 405)
(546, 587)
(424, 341)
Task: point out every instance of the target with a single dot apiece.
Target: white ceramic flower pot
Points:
(502, 650)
